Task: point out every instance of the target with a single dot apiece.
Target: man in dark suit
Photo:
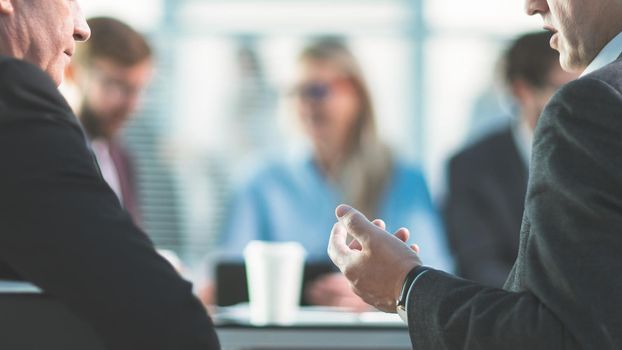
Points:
(112, 71)
(488, 179)
(61, 227)
(564, 289)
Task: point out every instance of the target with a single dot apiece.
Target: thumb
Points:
(356, 224)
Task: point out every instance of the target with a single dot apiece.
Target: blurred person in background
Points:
(293, 200)
(111, 71)
(488, 179)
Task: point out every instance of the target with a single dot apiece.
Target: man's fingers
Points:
(380, 223)
(355, 245)
(415, 248)
(338, 249)
(403, 234)
(356, 224)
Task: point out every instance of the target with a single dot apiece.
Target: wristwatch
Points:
(409, 282)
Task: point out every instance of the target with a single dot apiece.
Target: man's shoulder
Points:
(4, 59)
(602, 88)
(26, 92)
(594, 86)
(8, 60)
(610, 74)
(20, 71)
(587, 107)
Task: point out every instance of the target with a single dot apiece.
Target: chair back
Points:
(37, 322)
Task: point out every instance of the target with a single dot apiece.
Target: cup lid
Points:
(274, 248)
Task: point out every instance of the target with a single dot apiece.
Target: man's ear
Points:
(6, 7)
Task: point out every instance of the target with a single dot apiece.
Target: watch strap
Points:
(407, 286)
(408, 281)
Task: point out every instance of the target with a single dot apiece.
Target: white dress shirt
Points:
(608, 54)
(108, 169)
(523, 139)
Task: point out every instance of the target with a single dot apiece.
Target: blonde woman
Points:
(347, 162)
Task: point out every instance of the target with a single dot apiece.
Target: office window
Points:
(224, 67)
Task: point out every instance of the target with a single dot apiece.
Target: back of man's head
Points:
(530, 58)
(533, 74)
(113, 41)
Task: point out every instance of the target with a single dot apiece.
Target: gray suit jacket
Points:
(565, 290)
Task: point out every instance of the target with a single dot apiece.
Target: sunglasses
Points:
(317, 90)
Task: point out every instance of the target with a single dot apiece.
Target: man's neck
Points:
(609, 53)
(522, 134)
(328, 161)
(5, 44)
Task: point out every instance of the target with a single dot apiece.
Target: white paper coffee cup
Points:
(274, 271)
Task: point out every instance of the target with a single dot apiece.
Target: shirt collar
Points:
(608, 54)
(523, 139)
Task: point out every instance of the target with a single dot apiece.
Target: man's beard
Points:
(93, 126)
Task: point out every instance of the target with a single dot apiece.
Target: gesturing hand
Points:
(403, 234)
(376, 263)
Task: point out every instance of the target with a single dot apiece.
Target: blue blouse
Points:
(292, 201)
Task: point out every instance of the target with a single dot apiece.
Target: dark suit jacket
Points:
(484, 207)
(62, 228)
(565, 290)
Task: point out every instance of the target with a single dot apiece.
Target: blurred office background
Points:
(224, 68)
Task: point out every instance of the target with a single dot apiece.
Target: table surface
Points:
(312, 317)
(314, 328)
